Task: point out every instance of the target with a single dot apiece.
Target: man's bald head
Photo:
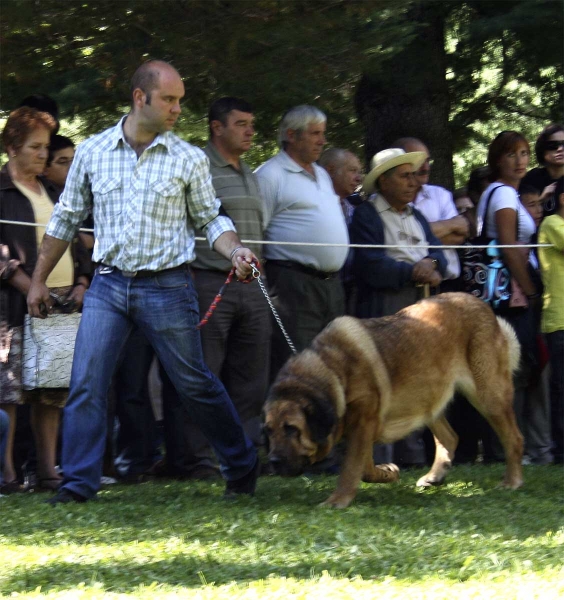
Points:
(344, 168)
(411, 144)
(147, 77)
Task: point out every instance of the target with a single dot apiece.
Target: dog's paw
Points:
(338, 500)
(427, 481)
(391, 467)
(511, 485)
(384, 473)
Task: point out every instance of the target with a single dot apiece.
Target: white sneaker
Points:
(107, 480)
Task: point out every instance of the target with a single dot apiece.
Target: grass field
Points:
(467, 539)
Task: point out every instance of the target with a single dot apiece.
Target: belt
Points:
(142, 274)
(294, 266)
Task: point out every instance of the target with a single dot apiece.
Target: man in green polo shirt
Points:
(236, 340)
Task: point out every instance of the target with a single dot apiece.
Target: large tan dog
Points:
(376, 380)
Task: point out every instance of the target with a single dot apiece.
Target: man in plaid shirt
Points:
(147, 190)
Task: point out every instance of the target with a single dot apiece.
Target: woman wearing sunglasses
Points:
(549, 150)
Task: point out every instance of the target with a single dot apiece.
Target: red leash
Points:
(217, 299)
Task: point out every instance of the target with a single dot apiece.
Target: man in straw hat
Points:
(390, 279)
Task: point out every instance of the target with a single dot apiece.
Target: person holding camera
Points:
(28, 197)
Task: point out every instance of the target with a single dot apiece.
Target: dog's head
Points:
(299, 422)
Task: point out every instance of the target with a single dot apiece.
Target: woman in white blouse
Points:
(508, 221)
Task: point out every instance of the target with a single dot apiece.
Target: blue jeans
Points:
(165, 309)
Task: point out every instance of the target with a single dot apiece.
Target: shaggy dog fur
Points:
(377, 380)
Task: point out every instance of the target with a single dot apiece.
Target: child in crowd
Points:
(552, 266)
(537, 430)
(531, 199)
(61, 155)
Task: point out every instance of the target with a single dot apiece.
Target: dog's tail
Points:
(513, 345)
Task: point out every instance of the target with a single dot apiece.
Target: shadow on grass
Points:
(408, 561)
(170, 533)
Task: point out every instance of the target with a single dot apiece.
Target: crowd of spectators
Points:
(300, 195)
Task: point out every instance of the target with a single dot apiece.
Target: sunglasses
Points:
(554, 145)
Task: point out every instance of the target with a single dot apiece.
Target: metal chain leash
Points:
(256, 275)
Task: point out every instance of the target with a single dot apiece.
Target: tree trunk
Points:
(407, 95)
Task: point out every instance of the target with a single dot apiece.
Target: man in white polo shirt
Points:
(437, 205)
(301, 206)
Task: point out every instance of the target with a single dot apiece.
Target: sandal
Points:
(12, 487)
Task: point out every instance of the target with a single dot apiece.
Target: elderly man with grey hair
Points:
(301, 206)
(345, 171)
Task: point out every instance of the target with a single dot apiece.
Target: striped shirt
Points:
(145, 209)
(239, 194)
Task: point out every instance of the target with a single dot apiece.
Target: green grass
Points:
(467, 539)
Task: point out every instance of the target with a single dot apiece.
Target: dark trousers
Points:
(137, 437)
(236, 347)
(555, 342)
(305, 303)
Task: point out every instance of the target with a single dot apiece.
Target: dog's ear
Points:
(320, 416)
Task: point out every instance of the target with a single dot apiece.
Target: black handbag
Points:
(484, 273)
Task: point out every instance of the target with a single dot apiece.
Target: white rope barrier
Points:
(327, 245)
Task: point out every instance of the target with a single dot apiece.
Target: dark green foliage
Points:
(468, 68)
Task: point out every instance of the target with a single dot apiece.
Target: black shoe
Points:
(135, 478)
(12, 487)
(205, 474)
(244, 485)
(65, 497)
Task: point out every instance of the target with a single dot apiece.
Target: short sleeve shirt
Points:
(504, 196)
(301, 207)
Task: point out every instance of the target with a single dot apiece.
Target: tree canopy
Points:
(448, 71)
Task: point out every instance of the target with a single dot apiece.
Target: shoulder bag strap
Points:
(485, 220)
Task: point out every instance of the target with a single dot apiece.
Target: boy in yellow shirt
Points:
(552, 267)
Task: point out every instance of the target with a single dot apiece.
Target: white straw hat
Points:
(388, 159)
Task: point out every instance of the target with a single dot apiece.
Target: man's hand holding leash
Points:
(241, 259)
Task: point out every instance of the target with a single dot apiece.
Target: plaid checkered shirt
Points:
(145, 209)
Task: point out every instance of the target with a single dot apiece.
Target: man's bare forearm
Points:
(229, 245)
(49, 255)
(226, 243)
(453, 239)
(456, 225)
(20, 280)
